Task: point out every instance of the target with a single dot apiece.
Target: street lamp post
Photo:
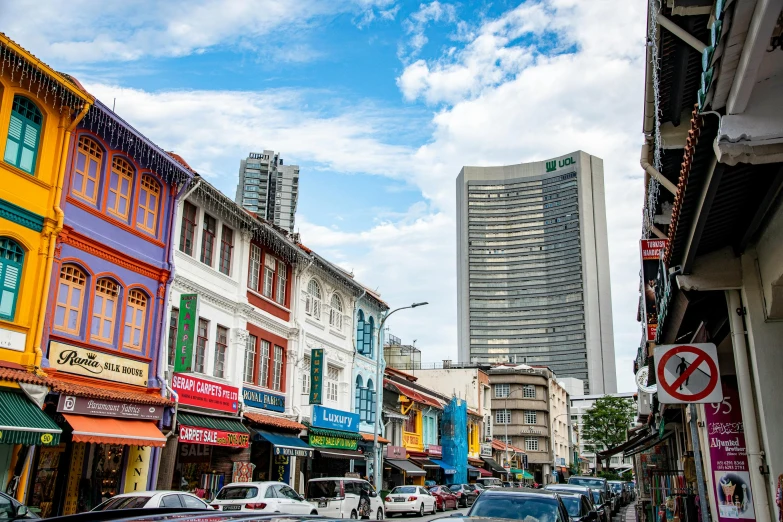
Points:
(379, 396)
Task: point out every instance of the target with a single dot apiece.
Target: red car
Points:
(444, 498)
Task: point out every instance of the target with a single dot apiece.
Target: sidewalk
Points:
(629, 515)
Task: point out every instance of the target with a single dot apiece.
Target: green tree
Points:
(605, 425)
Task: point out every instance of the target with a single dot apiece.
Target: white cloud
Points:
(417, 23)
(87, 31)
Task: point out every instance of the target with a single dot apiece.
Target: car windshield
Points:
(323, 489)
(617, 487)
(516, 507)
(572, 504)
(597, 497)
(237, 492)
(399, 490)
(455, 487)
(123, 503)
(593, 483)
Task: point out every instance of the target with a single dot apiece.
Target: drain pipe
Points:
(748, 406)
(652, 171)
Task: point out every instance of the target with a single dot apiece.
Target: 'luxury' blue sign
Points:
(264, 400)
(335, 419)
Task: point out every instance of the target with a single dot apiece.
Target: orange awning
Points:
(108, 430)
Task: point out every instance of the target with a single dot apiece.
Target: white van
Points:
(338, 497)
(490, 482)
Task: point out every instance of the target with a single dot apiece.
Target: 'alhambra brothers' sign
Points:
(91, 363)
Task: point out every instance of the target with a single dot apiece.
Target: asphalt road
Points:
(427, 517)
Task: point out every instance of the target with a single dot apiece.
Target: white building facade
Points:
(580, 405)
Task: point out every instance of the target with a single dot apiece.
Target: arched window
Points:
(104, 308)
(313, 299)
(70, 300)
(336, 313)
(135, 312)
(147, 211)
(87, 171)
(11, 261)
(357, 407)
(24, 134)
(360, 332)
(120, 180)
(369, 329)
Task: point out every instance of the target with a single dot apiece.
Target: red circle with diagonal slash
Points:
(700, 357)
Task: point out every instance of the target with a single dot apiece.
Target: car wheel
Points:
(314, 512)
(435, 508)
(421, 510)
(379, 514)
(354, 514)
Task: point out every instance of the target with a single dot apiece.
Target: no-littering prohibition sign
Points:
(688, 373)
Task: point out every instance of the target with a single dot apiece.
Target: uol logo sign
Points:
(553, 165)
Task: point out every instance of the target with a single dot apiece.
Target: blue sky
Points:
(380, 102)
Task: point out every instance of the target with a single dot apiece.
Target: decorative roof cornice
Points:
(21, 216)
(228, 305)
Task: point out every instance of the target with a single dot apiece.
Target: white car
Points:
(410, 499)
(153, 499)
(264, 497)
(341, 497)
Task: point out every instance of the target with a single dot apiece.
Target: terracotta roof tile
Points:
(274, 422)
(10, 374)
(369, 437)
(106, 394)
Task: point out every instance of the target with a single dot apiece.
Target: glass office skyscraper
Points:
(533, 268)
(268, 188)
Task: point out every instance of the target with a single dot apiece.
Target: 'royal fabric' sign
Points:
(263, 400)
(335, 419)
(193, 391)
(316, 375)
(186, 332)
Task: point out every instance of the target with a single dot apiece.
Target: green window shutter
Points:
(24, 133)
(9, 288)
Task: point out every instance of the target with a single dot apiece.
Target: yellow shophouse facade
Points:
(39, 108)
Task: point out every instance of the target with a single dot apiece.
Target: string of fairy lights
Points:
(653, 187)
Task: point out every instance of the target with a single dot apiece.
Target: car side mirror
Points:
(373, 494)
(592, 515)
(21, 511)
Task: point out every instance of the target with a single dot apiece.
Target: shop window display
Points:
(107, 466)
(41, 498)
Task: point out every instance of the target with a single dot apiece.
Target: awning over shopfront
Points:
(289, 445)
(484, 473)
(447, 468)
(22, 422)
(633, 442)
(407, 467)
(213, 431)
(108, 430)
(524, 473)
(494, 466)
(474, 470)
(330, 453)
(425, 463)
(650, 444)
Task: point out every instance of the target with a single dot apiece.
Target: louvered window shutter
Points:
(10, 274)
(24, 132)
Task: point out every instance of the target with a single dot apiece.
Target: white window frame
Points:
(502, 386)
(502, 417)
(531, 417)
(255, 267)
(531, 444)
(336, 312)
(277, 367)
(306, 374)
(270, 264)
(250, 357)
(313, 301)
(332, 383)
(529, 391)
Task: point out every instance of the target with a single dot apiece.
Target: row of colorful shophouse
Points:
(155, 335)
(709, 444)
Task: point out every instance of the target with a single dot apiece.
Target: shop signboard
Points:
(335, 419)
(524, 461)
(12, 340)
(396, 453)
(330, 441)
(138, 468)
(92, 363)
(728, 456)
(290, 451)
(193, 391)
(263, 400)
(316, 375)
(186, 332)
(104, 408)
(434, 450)
(486, 450)
(650, 250)
(212, 437)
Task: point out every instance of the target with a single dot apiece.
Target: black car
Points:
(10, 509)
(466, 494)
(580, 507)
(518, 504)
(619, 489)
(596, 496)
(597, 483)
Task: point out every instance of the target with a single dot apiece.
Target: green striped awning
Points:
(324, 432)
(212, 423)
(22, 422)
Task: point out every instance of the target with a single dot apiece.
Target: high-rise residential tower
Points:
(269, 188)
(533, 268)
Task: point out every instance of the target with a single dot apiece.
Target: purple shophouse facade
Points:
(109, 291)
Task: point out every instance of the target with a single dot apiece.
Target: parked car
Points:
(489, 482)
(185, 515)
(153, 499)
(466, 495)
(631, 490)
(619, 489)
(340, 497)
(518, 504)
(410, 499)
(444, 498)
(266, 497)
(580, 507)
(10, 509)
(596, 496)
(597, 483)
